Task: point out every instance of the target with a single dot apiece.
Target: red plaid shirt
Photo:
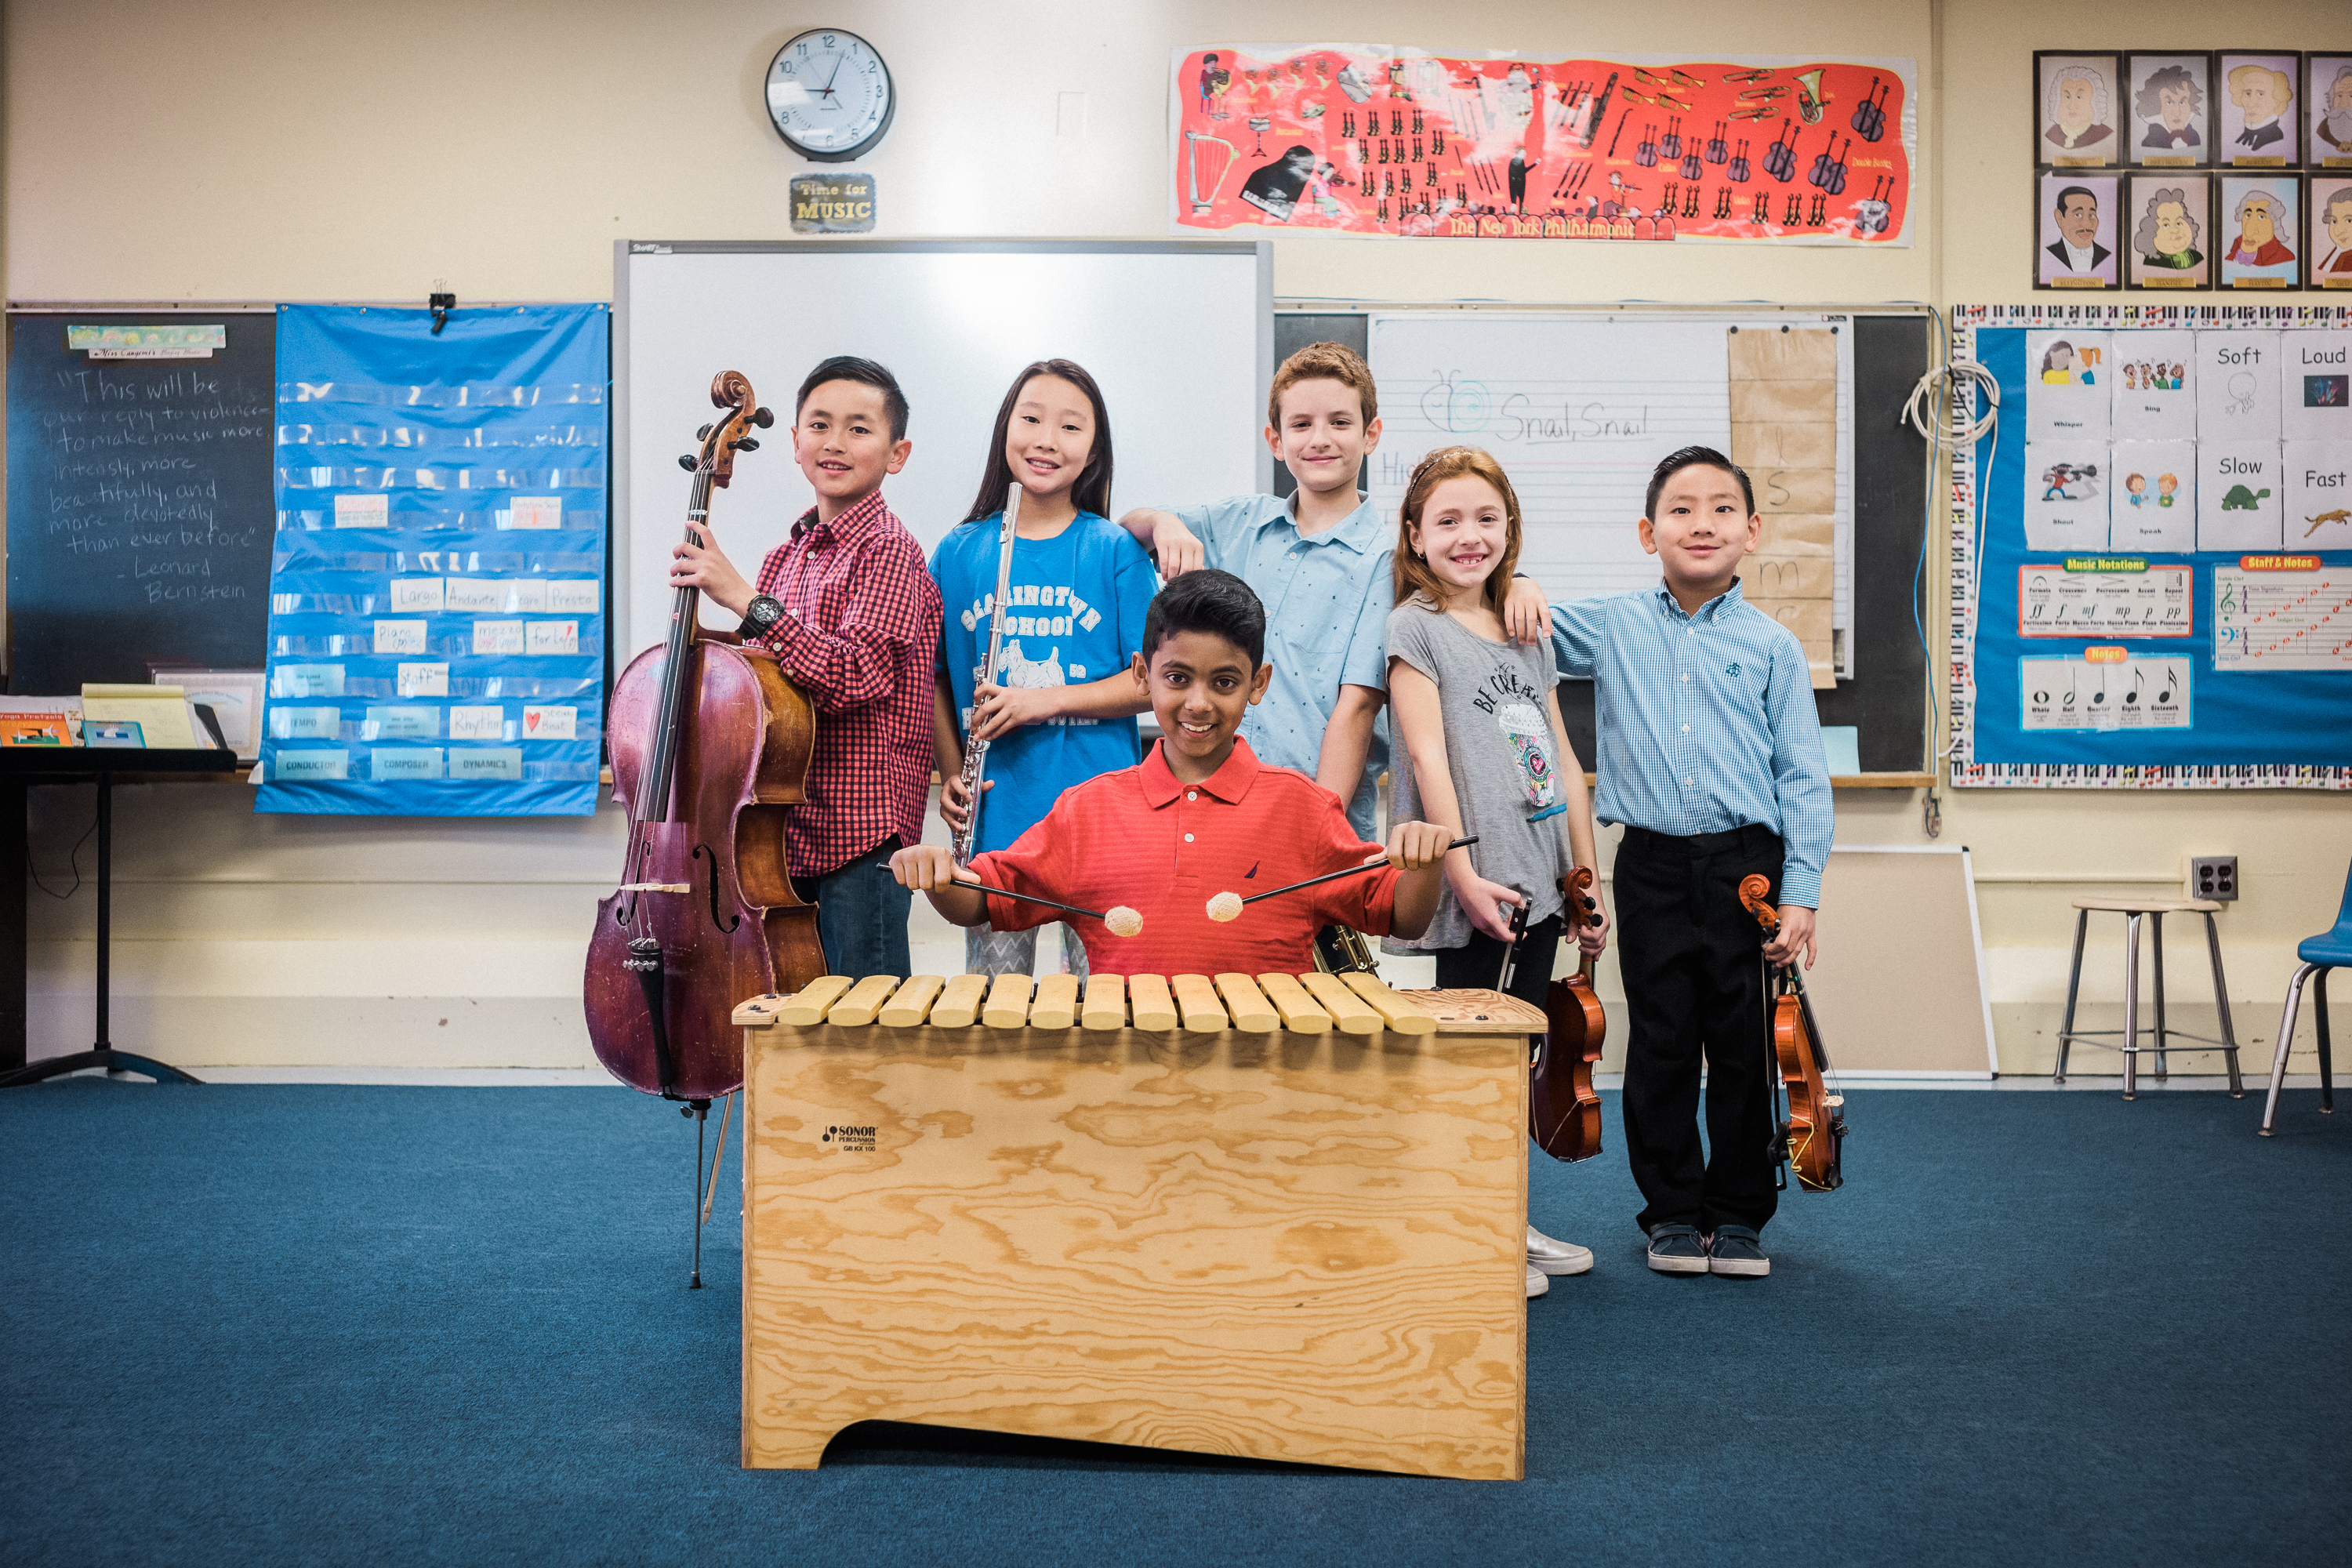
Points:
(860, 632)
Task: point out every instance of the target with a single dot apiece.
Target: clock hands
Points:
(826, 91)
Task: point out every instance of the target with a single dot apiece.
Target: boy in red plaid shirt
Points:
(848, 607)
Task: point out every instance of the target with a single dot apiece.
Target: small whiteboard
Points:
(1180, 335)
(1579, 405)
(1901, 989)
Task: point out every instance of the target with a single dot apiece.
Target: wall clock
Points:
(830, 96)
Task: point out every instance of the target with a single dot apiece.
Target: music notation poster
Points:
(2152, 552)
(1375, 138)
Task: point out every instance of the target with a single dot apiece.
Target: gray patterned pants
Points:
(987, 950)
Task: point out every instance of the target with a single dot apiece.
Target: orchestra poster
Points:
(1371, 139)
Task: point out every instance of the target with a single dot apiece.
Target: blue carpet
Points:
(302, 1324)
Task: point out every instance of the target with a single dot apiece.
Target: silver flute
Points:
(975, 750)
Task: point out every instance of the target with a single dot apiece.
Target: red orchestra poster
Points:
(1368, 139)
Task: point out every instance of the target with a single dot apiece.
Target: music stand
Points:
(21, 766)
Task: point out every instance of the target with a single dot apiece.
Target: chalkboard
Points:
(1886, 699)
(140, 509)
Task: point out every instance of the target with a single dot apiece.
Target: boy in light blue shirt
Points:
(1710, 754)
(1320, 562)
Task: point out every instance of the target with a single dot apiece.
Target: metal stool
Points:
(2134, 910)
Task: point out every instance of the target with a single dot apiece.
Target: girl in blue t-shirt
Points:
(1063, 708)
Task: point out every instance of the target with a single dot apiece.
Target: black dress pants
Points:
(1690, 957)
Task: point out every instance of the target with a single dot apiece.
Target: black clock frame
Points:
(849, 155)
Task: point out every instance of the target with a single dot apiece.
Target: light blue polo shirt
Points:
(1327, 597)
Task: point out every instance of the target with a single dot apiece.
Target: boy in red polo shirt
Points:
(848, 607)
(1199, 815)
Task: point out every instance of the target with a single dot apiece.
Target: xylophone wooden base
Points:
(1298, 1246)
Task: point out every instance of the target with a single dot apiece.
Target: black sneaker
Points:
(1678, 1250)
(1735, 1249)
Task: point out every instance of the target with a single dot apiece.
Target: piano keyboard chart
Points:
(2281, 620)
(2052, 602)
(2145, 692)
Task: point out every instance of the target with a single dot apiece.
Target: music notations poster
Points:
(1374, 139)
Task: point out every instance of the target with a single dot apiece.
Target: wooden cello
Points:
(1812, 1137)
(1563, 1108)
(711, 746)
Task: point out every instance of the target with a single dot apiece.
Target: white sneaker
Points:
(1536, 1283)
(1556, 1256)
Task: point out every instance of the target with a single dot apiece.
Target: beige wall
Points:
(242, 152)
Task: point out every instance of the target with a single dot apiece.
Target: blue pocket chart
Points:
(436, 593)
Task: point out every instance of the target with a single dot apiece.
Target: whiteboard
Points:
(1179, 334)
(1578, 406)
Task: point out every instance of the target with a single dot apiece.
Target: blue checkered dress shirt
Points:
(1707, 722)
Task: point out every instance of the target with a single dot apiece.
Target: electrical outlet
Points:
(2214, 877)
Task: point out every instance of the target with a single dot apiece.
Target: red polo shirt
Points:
(1138, 838)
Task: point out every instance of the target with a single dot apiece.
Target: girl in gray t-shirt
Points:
(1478, 726)
(1480, 749)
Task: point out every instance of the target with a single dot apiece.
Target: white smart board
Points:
(1179, 333)
(1580, 405)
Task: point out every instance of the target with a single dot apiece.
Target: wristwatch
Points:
(758, 615)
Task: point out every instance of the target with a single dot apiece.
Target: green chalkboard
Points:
(139, 501)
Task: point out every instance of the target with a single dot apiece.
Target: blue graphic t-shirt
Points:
(1075, 615)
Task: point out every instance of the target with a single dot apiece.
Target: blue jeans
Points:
(861, 914)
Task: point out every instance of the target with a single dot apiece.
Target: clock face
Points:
(829, 95)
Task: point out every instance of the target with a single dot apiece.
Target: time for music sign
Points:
(1371, 138)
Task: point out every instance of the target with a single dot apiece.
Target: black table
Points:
(21, 767)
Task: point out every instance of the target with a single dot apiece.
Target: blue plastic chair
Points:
(2328, 950)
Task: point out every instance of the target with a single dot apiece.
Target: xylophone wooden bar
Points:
(911, 1007)
(1350, 1012)
(1301, 1243)
(1056, 1005)
(1300, 1013)
(1251, 1013)
(857, 1007)
(1399, 1013)
(1008, 1003)
(1106, 1005)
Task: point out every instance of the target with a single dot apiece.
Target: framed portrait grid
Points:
(2161, 170)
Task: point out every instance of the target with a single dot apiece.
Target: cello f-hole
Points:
(702, 852)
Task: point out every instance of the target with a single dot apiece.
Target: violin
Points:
(1829, 171)
(1812, 1135)
(711, 745)
(1869, 120)
(1780, 158)
(1563, 1108)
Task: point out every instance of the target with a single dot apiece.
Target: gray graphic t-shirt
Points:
(1502, 754)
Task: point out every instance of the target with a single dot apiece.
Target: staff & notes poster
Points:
(436, 594)
(2152, 552)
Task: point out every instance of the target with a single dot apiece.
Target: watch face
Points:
(829, 95)
(766, 611)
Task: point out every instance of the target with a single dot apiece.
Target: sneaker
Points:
(1735, 1249)
(1678, 1250)
(1536, 1283)
(1555, 1257)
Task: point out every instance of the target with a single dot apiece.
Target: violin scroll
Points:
(1752, 889)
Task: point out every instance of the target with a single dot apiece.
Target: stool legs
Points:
(2156, 942)
(2074, 986)
(2285, 1040)
(2131, 1007)
(2222, 1002)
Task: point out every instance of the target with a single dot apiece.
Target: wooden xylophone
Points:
(1277, 1214)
